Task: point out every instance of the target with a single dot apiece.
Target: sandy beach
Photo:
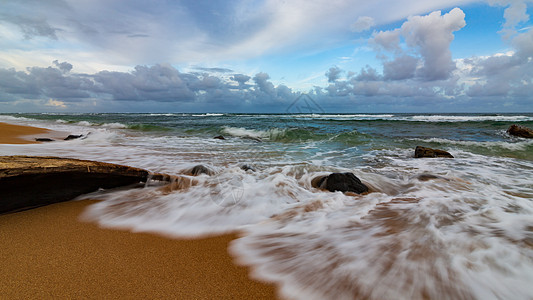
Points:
(49, 253)
(16, 134)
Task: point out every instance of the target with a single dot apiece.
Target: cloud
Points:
(64, 66)
(193, 31)
(402, 67)
(508, 75)
(56, 103)
(160, 83)
(430, 37)
(30, 26)
(363, 23)
(333, 74)
(422, 73)
(387, 40)
(514, 14)
(214, 70)
(241, 79)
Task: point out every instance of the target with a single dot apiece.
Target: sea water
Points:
(466, 233)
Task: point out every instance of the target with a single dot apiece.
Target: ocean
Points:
(467, 233)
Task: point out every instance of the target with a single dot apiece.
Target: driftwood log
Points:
(27, 182)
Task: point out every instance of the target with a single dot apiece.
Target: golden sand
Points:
(16, 134)
(48, 253)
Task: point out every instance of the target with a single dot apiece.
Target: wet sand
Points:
(48, 252)
(16, 134)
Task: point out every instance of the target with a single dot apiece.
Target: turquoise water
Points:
(468, 234)
(478, 133)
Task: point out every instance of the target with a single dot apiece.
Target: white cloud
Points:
(429, 37)
(514, 14)
(111, 35)
(56, 103)
(432, 35)
(363, 23)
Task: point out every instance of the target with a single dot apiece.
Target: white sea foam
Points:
(468, 118)
(514, 145)
(13, 119)
(344, 116)
(114, 125)
(208, 115)
(462, 235)
(85, 123)
(272, 133)
(163, 115)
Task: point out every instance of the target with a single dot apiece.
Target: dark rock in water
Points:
(73, 137)
(219, 137)
(428, 152)
(27, 181)
(44, 140)
(200, 169)
(343, 182)
(247, 168)
(317, 181)
(426, 177)
(520, 131)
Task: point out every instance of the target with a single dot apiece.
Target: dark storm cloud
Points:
(158, 83)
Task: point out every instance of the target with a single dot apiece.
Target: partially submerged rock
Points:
(427, 177)
(520, 131)
(73, 137)
(44, 140)
(428, 152)
(343, 182)
(219, 137)
(199, 169)
(27, 182)
(248, 168)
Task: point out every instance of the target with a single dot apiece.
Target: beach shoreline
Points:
(18, 134)
(50, 252)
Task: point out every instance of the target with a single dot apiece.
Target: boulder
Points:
(247, 168)
(199, 169)
(73, 137)
(219, 137)
(343, 182)
(428, 152)
(27, 182)
(520, 131)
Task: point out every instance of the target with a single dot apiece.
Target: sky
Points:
(262, 55)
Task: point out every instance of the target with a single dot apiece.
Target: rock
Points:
(317, 181)
(219, 137)
(27, 181)
(199, 169)
(73, 137)
(426, 177)
(343, 182)
(43, 140)
(247, 168)
(520, 131)
(428, 152)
